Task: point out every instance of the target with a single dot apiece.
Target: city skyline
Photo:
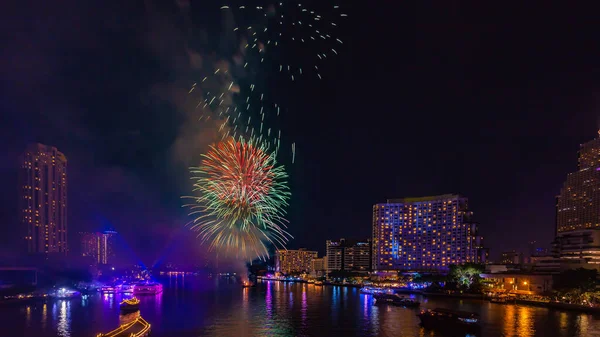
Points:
(484, 124)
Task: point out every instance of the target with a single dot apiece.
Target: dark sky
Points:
(447, 97)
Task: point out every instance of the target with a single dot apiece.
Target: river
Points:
(193, 307)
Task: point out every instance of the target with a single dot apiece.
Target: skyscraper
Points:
(578, 208)
(43, 199)
(294, 261)
(347, 255)
(427, 233)
(99, 246)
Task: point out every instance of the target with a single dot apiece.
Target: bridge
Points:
(136, 328)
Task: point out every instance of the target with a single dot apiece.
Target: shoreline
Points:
(483, 297)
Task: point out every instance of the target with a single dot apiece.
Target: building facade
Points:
(578, 208)
(347, 255)
(510, 257)
(318, 268)
(99, 246)
(43, 199)
(428, 233)
(294, 261)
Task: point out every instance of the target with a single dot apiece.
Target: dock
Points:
(136, 328)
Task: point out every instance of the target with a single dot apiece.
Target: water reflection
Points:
(28, 315)
(269, 301)
(44, 315)
(64, 319)
(526, 327)
(126, 318)
(304, 306)
(286, 310)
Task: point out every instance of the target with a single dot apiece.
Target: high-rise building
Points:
(578, 208)
(318, 266)
(99, 246)
(346, 255)
(294, 261)
(510, 257)
(43, 199)
(335, 255)
(428, 233)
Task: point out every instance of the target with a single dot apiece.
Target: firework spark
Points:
(242, 193)
(273, 29)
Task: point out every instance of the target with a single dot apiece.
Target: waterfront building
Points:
(519, 283)
(428, 233)
(510, 257)
(578, 209)
(43, 199)
(99, 246)
(294, 261)
(318, 266)
(347, 255)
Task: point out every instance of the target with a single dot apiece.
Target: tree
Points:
(466, 276)
(582, 280)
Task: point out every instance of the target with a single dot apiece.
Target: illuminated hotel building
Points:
(428, 233)
(578, 208)
(43, 199)
(99, 246)
(294, 261)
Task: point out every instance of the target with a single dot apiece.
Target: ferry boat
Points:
(318, 283)
(451, 320)
(148, 288)
(64, 294)
(372, 290)
(130, 305)
(311, 281)
(396, 299)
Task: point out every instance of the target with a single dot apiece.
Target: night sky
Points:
(489, 102)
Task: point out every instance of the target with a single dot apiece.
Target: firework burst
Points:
(269, 31)
(242, 193)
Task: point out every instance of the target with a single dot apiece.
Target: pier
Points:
(136, 328)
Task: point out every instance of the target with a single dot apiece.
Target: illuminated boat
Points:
(372, 290)
(130, 305)
(395, 299)
(136, 328)
(450, 320)
(148, 288)
(248, 284)
(108, 290)
(64, 293)
(318, 283)
(125, 288)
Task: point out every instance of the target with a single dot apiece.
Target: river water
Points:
(193, 307)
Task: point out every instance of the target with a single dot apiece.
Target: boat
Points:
(150, 288)
(500, 299)
(248, 284)
(125, 288)
(64, 294)
(108, 290)
(311, 281)
(450, 320)
(318, 283)
(395, 299)
(372, 290)
(130, 305)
